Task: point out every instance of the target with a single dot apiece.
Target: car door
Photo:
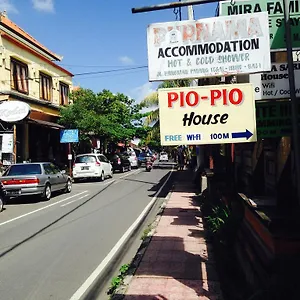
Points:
(51, 176)
(60, 178)
(105, 163)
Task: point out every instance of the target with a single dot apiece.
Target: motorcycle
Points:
(149, 164)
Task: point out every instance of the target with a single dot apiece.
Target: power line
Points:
(88, 73)
(91, 66)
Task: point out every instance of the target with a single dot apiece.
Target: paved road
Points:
(49, 249)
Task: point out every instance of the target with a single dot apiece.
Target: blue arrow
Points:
(246, 134)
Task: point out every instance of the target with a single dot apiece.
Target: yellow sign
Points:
(207, 115)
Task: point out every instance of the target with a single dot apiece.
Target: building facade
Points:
(29, 73)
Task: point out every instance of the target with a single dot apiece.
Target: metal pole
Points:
(294, 103)
(70, 160)
(170, 5)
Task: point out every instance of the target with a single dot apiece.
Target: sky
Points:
(97, 36)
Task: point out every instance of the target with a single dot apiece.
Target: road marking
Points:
(130, 173)
(40, 209)
(95, 183)
(65, 204)
(90, 280)
(168, 196)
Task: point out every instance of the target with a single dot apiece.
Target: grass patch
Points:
(118, 280)
(146, 232)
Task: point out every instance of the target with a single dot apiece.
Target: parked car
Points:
(163, 156)
(35, 179)
(92, 165)
(2, 196)
(120, 162)
(132, 158)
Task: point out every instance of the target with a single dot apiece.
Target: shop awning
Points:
(46, 124)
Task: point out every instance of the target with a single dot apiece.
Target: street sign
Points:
(69, 136)
(209, 47)
(275, 84)
(276, 18)
(274, 119)
(217, 114)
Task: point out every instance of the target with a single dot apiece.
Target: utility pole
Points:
(289, 49)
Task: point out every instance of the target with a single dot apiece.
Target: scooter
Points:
(149, 164)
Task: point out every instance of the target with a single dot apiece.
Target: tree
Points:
(108, 116)
(151, 101)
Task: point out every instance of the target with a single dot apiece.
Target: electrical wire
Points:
(90, 66)
(89, 73)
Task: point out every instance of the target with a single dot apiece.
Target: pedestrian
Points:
(180, 158)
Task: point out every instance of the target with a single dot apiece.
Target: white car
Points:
(163, 156)
(133, 159)
(92, 165)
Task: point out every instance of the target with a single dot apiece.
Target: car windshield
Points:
(163, 153)
(85, 159)
(25, 169)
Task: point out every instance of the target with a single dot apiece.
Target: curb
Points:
(119, 293)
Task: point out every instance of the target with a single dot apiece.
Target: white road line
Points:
(40, 209)
(90, 280)
(168, 196)
(130, 173)
(65, 204)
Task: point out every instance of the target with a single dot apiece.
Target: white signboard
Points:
(7, 143)
(207, 115)
(209, 47)
(14, 111)
(275, 84)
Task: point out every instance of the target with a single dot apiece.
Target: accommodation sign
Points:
(207, 115)
(274, 119)
(276, 18)
(275, 84)
(209, 47)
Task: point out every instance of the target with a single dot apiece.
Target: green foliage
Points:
(217, 219)
(110, 116)
(118, 280)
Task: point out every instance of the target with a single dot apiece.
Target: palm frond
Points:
(152, 117)
(150, 100)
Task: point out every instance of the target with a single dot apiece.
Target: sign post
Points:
(289, 48)
(69, 136)
(218, 114)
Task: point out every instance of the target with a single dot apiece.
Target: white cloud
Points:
(7, 5)
(43, 5)
(126, 60)
(140, 92)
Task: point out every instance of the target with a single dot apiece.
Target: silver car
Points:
(35, 179)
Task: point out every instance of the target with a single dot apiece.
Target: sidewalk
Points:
(178, 263)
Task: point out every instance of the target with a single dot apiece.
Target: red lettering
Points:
(181, 99)
(192, 98)
(224, 97)
(235, 96)
(214, 95)
(172, 97)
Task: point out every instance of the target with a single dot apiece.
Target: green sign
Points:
(276, 18)
(273, 119)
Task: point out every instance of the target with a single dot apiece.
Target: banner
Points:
(209, 47)
(275, 84)
(217, 114)
(276, 18)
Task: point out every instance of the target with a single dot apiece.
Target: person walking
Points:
(180, 158)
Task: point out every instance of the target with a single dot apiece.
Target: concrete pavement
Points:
(48, 252)
(178, 264)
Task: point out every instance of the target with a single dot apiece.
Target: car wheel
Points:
(102, 176)
(111, 173)
(68, 187)
(123, 170)
(129, 168)
(47, 192)
(1, 203)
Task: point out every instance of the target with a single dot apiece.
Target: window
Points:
(63, 94)
(19, 76)
(85, 159)
(45, 87)
(24, 169)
